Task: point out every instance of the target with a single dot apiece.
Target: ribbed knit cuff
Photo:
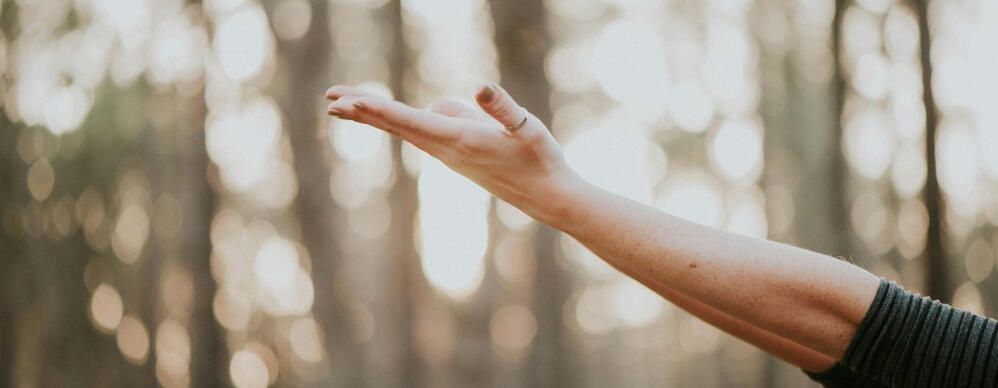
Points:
(841, 377)
(910, 340)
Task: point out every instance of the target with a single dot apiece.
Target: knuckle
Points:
(364, 104)
(407, 124)
(468, 145)
(533, 140)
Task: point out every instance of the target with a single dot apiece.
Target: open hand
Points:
(523, 166)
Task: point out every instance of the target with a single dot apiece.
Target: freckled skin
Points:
(798, 305)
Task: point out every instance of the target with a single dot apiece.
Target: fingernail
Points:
(335, 112)
(487, 93)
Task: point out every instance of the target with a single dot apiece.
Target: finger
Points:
(453, 107)
(498, 104)
(398, 118)
(337, 91)
(344, 110)
(342, 107)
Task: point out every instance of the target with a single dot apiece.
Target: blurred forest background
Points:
(177, 210)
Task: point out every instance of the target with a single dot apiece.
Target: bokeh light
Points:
(453, 57)
(248, 370)
(169, 172)
(452, 228)
(242, 42)
(106, 308)
(133, 339)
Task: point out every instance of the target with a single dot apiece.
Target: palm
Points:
(472, 142)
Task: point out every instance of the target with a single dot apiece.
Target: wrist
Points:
(558, 199)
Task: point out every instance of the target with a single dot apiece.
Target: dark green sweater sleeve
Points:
(841, 377)
(907, 340)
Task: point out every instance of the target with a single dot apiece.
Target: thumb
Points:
(498, 104)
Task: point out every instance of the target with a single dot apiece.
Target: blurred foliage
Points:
(176, 210)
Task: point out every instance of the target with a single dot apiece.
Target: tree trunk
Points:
(937, 281)
(10, 245)
(306, 62)
(405, 278)
(198, 200)
(806, 172)
(523, 41)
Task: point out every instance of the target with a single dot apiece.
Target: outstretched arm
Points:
(805, 298)
(809, 298)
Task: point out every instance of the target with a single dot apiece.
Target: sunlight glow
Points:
(691, 107)
(908, 172)
(173, 349)
(243, 42)
(568, 68)
(292, 19)
(754, 117)
(593, 310)
(305, 337)
(41, 179)
(968, 298)
(693, 68)
(871, 76)
(965, 83)
(697, 336)
(746, 216)
(869, 143)
(728, 67)
(232, 309)
(177, 51)
(248, 370)
(454, 53)
(130, 233)
(130, 19)
(912, 223)
(512, 217)
(694, 198)
(630, 65)
(612, 155)
(512, 330)
(577, 9)
(67, 109)
(959, 168)
(453, 227)
(133, 339)
(635, 304)
(358, 142)
(106, 308)
(243, 141)
(276, 263)
(980, 260)
(736, 150)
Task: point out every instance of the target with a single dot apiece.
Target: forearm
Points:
(782, 348)
(811, 299)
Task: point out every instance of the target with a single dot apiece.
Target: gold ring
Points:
(520, 124)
